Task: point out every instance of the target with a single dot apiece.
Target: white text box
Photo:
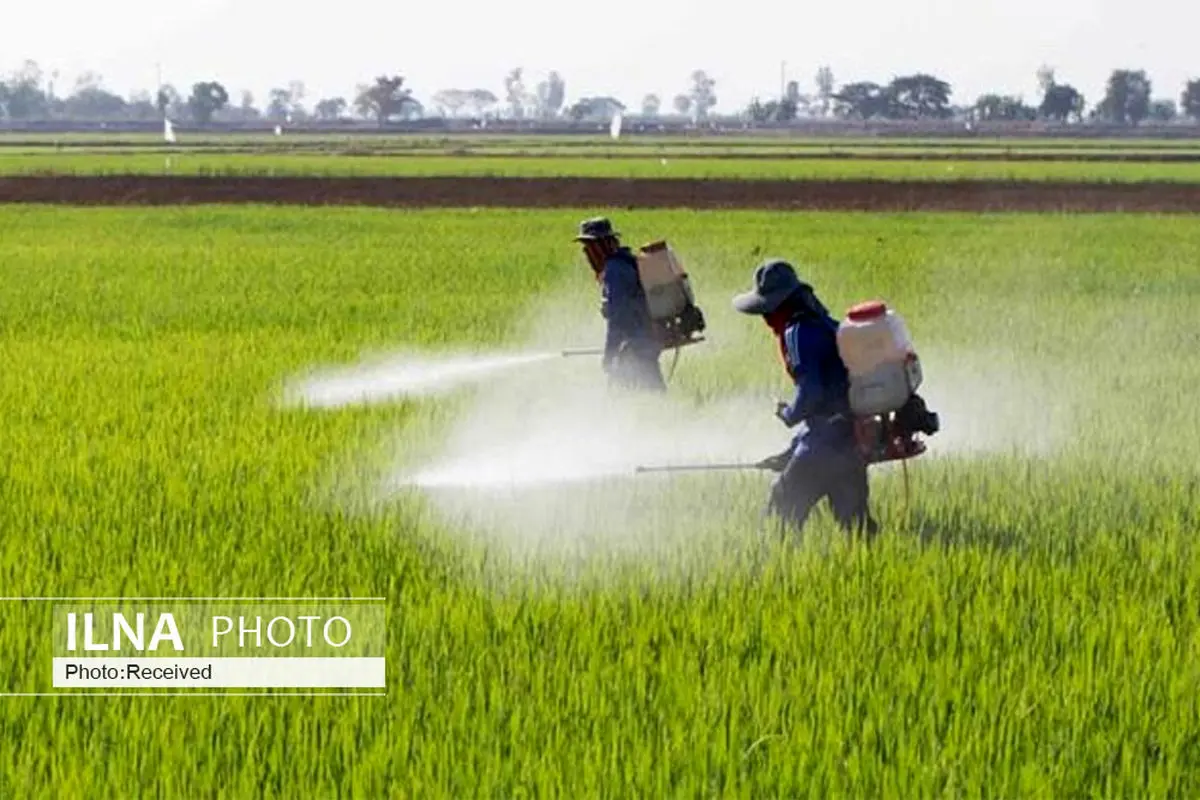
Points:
(220, 673)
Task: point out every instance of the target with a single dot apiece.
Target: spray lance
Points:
(774, 463)
(599, 351)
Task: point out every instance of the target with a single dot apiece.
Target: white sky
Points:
(625, 48)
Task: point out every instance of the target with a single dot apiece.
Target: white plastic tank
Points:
(874, 344)
(870, 335)
(668, 291)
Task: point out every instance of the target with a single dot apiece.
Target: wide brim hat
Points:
(597, 228)
(774, 281)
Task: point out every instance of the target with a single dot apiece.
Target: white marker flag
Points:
(614, 129)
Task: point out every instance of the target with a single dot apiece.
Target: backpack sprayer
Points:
(884, 373)
(676, 318)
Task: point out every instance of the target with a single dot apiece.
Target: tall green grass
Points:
(1027, 625)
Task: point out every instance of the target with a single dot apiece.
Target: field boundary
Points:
(597, 193)
(599, 152)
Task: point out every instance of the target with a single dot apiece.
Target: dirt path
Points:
(602, 193)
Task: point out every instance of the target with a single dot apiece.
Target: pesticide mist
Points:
(388, 378)
(549, 465)
(542, 463)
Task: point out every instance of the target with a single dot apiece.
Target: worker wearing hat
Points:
(823, 460)
(631, 346)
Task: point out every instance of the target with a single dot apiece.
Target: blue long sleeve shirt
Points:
(623, 305)
(813, 361)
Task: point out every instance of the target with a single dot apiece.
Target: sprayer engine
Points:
(673, 308)
(885, 374)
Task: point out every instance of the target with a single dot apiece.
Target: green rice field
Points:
(1028, 623)
(641, 156)
(727, 142)
(276, 164)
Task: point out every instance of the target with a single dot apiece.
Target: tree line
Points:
(28, 95)
(1128, 100)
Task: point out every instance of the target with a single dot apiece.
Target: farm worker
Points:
(631, 345)
(822, 460)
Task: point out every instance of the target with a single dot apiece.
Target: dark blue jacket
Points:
(822, 398)
(623, 304)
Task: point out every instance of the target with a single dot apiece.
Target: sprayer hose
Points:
(674, 362)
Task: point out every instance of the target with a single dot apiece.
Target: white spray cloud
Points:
(543, 462)
(992, 402)
(388, 378)
(546, 468)
(581, 432)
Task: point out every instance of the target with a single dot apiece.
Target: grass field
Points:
(589, 147)
(729, 141)
(272, 164)
(739, 157)
(1027, 625)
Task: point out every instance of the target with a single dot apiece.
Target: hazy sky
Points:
(625, 48)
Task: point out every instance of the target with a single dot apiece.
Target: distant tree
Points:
(1189, 101)
(331, 109)
(140, 106)
(278, 104)
(1062, 102)
(783, 110)
(481, 101)
(789, 105)
(1127, 98)
(595, 109)
(207, 98)
(550, 95)
(682, 104)
(170, 102)
(24, 97)
(1002, 107)
(651, 105)
(284, 104)
(91, 101)
(919, 96)
(825, 87)
(1163, 110)
(758, 111)
(247, 109)
(514, 93)
(449, 102)
(702, 94)
(863, 100)
(384, 99)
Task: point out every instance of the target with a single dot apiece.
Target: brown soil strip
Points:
(609, 193)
